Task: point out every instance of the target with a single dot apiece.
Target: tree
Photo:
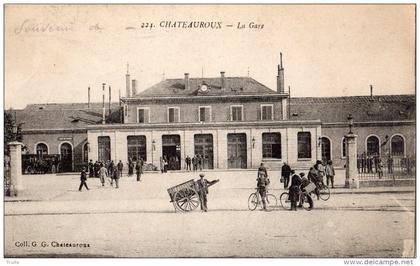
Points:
(9, 135)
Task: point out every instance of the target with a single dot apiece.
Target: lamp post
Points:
(350, 119)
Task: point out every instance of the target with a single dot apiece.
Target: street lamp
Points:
(350, 119)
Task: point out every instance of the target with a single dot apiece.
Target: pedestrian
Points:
(285, 175)
(194, 162)
(390, 163)
(115, 177)
(130, 167)
(203, 190)
(96, 168)
(165, 164)
(120, 167)
(162, 165)
(200, 161)
(90, 169)
(103, 173)
(262, 183)
(138, 170)
(330, 173)
(188, 162)
(294, 190)
(83, 179)
(380, 166)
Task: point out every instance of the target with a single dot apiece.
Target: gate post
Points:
(15, 149)
(352, 176)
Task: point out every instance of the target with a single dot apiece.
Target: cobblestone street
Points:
(138, 220)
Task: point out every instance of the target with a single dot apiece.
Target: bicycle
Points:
(304, 199)
(254, 200)
(324, 192)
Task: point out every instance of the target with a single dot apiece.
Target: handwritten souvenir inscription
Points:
(32, 26)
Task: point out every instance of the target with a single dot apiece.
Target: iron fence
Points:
(393, 167)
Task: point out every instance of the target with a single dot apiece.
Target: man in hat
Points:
(294, 190)
(202, 185)
(262, 183)
(285, 174)
(83, 179)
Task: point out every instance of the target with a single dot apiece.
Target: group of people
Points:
(316, 173)
(197, 162)
(109, 169)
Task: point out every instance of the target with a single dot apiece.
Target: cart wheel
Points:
(284, 201)
(324, 193)
(186, 200)
(271, 201)
(252, 201)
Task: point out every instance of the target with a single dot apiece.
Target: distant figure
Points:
(83, 179)
(390, 163)
(262, 183)
(130, 167)
(319, 167)
(162, 165)
(90, 169)
(262, 171)
(103, 173)
(194, 162)
(138, 169)
(188, 162)
(285, 174)
(115, 177)
(379, 167)
(200, 161)
(120, 167)
(330, 173)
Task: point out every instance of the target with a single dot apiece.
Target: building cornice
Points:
(204, 98)
(371, 123)
(53, 131)
(172, 126)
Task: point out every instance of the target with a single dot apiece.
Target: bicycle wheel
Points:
(271, 201)
(307, 202)
(324, 193)
(284, 200)
(252, 201)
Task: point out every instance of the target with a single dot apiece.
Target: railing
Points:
(376, 167)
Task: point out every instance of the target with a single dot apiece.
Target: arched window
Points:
(372, 145)
(325, 148)
(41, 149)
(397, 146)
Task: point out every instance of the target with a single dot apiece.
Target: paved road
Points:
(138, 221)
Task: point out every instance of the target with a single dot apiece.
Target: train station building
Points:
(233, 122)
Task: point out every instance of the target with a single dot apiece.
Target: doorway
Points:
(171, 150)
(237, 150)
(203, 145)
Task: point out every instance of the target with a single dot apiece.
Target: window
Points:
(267, 112)
(136, 147)
(271, 145)
(397, 146)
(236, 113)
(304, 145)
(104, 148)
(41, 149)
(372, 145)
(143, 115)
(173, 114)
(204, 114)
(344, 149)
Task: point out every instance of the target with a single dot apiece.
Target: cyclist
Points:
(313, 177)
(304, 182)
(262, 182)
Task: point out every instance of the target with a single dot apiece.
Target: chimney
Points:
(223, 79)
(134, 87)
(371, 92)
(103, 103)
(187, 81)
(109, 104)
(127, 83)
(280, 76)
(88, 97)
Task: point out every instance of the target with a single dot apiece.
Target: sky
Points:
(54, 53)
